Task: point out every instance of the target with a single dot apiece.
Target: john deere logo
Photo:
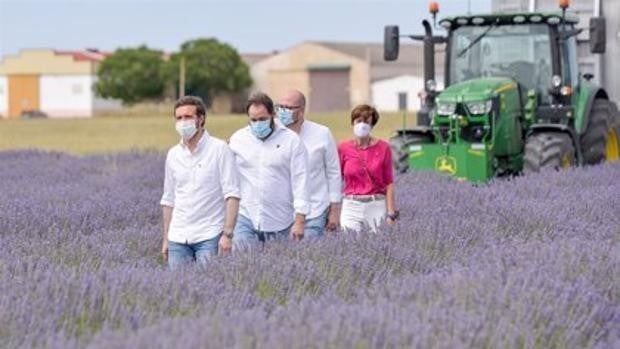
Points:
(446, 164)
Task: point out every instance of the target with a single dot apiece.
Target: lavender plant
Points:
(530, 262)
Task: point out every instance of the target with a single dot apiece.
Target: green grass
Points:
(113, 134)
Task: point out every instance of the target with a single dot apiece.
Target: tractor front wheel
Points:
(548, 150)
(399, 145)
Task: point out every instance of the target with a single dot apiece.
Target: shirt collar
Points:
(201, 142)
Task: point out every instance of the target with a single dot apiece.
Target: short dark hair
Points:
(260, 98)
(196, 101)
(366, 112)
(201, 109)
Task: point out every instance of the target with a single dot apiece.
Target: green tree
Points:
(131, 75)
(211, 68)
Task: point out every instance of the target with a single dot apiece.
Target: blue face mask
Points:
(286, 116)
(260, 129)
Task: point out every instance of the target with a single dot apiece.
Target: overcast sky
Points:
(248, 25)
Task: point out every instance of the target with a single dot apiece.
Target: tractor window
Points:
(570, 69)
(519, 51)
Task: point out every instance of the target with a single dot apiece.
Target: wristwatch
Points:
(229, 234)
(394, 216)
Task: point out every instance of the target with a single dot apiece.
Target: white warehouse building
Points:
(399, 93)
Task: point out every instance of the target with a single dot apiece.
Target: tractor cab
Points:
(501, 48)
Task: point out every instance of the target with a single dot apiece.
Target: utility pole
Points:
(182, 77)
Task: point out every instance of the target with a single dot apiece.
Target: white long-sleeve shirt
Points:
(273, 177)
(324, 176)
(197, 185)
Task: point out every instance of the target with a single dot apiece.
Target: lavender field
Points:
(531, 262)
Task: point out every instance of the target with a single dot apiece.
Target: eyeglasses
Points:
(291, 107)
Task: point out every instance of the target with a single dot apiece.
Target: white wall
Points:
(4, 96)
(385, 92)
(66, 95)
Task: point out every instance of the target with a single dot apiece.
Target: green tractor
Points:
(514, 100)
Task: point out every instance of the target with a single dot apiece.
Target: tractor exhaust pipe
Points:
(428, 102)
(429, 53)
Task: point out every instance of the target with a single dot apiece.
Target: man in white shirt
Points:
(272, 163)
(324, 176)
(201, 190)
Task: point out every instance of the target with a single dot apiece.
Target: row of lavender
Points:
(528, 262)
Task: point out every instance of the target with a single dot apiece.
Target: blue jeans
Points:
(315, 227)
(200, 252)
(246, 236)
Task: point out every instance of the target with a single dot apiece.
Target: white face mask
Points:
(361, 129)
(186, 128)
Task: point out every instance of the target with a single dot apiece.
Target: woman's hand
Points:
(392, 217)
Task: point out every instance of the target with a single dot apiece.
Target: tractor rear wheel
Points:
(548, 150)
(594, 140)
(399, 145)
(612, 150)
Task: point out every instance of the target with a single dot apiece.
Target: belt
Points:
(365, 198)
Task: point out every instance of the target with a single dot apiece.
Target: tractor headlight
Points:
(556, 81)
(480, 107)
(446, 108)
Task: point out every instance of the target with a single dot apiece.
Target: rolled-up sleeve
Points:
(229, 176)
(332, 166)
(299, 178)
(167, 199)
(388, 174)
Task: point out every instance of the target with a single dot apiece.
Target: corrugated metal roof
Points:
(86, 55)
(252, 58)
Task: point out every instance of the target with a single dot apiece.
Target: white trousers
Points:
(356, 215)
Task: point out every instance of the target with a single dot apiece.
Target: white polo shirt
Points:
(196, 185)
(273, 176)
(324, 175)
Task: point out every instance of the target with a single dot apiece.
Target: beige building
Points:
(54, 83)
(333, 76)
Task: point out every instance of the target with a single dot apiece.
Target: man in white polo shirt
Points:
(272, 162)
(324, 176)
(201, 190)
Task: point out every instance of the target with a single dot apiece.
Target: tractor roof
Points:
(552, 18)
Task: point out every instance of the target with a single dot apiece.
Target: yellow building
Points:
(51, 83)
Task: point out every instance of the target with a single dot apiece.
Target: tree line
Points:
(139, 74)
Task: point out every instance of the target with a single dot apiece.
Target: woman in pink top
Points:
(366, 164)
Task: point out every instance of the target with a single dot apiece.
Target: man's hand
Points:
(164, 250)
(333, 218)
(297, 230)
(225, 244)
